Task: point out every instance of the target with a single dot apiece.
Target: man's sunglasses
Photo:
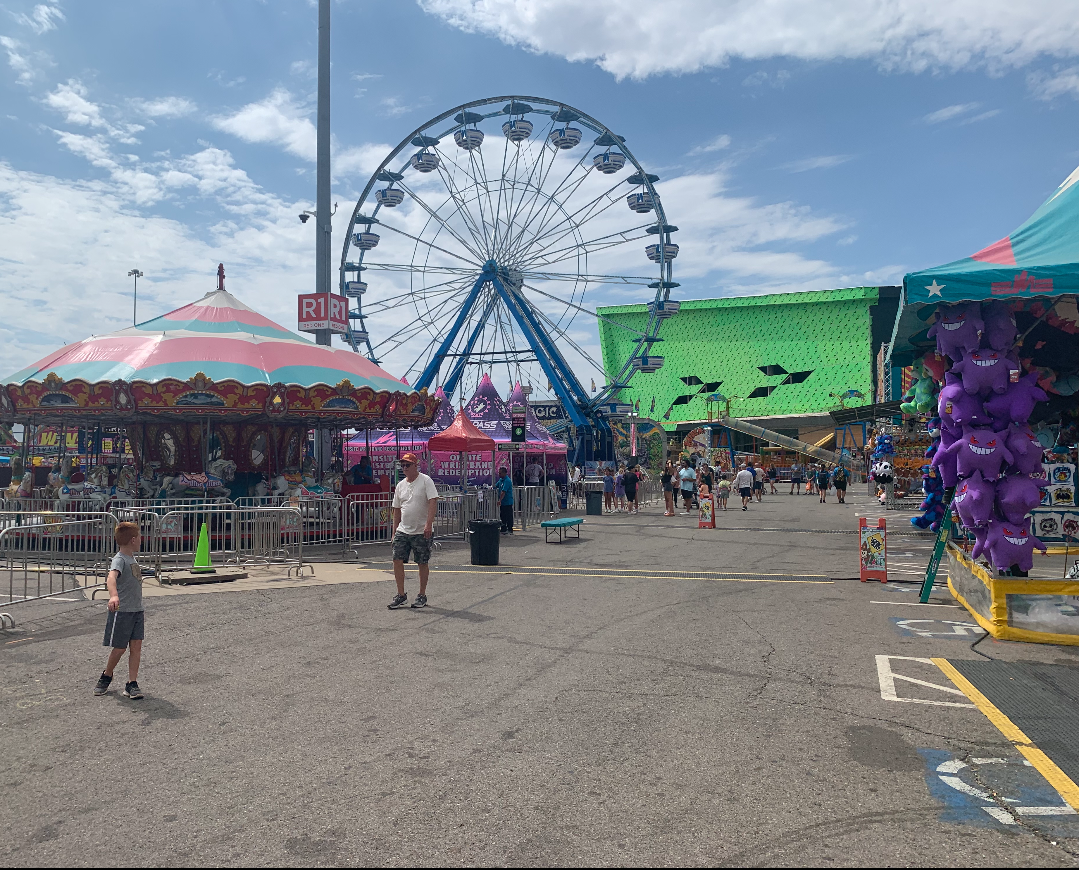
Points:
(407, 464)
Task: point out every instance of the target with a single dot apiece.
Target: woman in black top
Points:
(705, 479)
(668, 489)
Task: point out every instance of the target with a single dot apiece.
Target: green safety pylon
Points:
(202, 553)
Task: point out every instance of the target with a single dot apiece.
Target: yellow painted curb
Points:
(1056, 777)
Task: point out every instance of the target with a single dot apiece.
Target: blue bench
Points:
(563, 525)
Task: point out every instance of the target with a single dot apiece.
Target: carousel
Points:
(210, 400)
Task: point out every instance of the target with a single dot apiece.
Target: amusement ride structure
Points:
(475, 241)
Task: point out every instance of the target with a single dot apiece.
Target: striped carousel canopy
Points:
(217, 336)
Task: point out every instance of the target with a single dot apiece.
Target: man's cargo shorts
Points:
(418, 545)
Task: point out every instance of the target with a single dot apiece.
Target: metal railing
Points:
(48, 559)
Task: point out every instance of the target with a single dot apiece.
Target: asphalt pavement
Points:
(617, 700)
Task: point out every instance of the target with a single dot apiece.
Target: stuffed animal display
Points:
(958, 329)
(1009, 544)
(986, 447)
(985, 370)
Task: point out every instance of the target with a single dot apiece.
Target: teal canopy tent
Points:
(1039, 259)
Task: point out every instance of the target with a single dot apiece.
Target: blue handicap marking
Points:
(949, 629)
(996, 792)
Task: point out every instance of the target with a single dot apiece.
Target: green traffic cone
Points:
(202, 554)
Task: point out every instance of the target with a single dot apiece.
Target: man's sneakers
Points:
(132, 691)
(103, 683)
(400, 601)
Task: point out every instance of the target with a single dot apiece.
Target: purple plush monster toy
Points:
(979, 450)
(984, 371)
(1000, 328)
(1016, 404)
(973, 501)
(944, 460)
(956, 408)
(958, 329)
(1011, 544)
(1026, 450)
(1017, 496)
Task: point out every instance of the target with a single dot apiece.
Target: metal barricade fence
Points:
(241, 536)
(47, 559)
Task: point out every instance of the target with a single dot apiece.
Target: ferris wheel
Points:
(480, 238)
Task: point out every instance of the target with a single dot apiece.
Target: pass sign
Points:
(322, 311)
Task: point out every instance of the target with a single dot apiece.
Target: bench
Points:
(563, 525)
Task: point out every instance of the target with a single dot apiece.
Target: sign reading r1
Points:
(322, 311)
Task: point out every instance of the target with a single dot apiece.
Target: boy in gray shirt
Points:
(125, 627)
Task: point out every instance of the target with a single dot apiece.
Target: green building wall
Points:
(816, 343)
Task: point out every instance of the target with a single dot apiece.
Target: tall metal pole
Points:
(322, 205)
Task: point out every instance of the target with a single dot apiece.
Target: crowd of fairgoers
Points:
(686, 480)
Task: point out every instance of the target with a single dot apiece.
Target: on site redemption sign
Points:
(322, 311)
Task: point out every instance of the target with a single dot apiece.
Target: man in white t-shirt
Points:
(533, 473)
(415, 503)
(743, 482)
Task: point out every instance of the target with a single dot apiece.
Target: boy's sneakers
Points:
(421, 601)
(132, 691)
(398, 602)
(103, 683)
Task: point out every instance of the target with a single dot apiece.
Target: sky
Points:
(800, 146)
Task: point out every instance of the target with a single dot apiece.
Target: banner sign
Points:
(873, 550)
(322, 311)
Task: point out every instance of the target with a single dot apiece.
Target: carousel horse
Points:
(55, 481)
(275, 486)
(127, 482)
(223, 469)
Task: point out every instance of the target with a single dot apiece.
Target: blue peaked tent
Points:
(1039, 259)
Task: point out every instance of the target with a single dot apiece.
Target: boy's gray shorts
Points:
(122, 628)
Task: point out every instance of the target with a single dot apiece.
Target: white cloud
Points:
(70, 100)
(268, 256)
(164, 107)
(279, 119)
(303, 69)
(1060, 82)
(43, 19)
(984, 116)
(395, 107)
(761, 78)
(950, 112)
(825, 162)
(681, 36)
(18, 60)
(717, 144)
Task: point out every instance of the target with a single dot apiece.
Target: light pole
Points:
(136, 274)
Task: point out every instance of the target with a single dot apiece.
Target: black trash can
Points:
(593, 503)
(483, 536)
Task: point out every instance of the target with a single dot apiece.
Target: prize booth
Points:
(994, 345)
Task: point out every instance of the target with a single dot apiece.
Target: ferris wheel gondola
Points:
(477, 257)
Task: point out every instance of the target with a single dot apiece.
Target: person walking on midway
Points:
(743, 482)
(839, 481)
(608, 490)
(723, 490)
(630, 479)
(415, 503)
(668, 489)
(773, 476)
(687, 477)
(620, 488)
(125, 626)
(822, 482)
(505, 500)
(758, 483)
(796, 478)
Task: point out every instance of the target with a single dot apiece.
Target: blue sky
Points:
(837, 148)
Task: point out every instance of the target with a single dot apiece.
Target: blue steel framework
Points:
(494, 243)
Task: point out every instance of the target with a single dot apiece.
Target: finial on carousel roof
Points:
(220, 276)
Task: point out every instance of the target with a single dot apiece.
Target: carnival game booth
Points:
(993, 338)
(216, 403)
(539, 456)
